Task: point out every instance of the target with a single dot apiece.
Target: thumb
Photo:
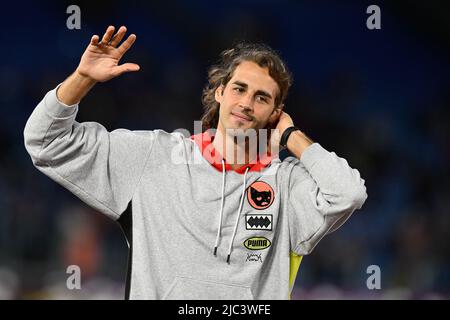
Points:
(126, 67)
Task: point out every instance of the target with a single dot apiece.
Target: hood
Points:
(204, 141)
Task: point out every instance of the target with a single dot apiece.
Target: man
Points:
(219, 228)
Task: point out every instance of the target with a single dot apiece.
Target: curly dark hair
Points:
(220, 73)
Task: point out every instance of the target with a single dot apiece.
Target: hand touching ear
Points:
(283, 122)
(297, 142)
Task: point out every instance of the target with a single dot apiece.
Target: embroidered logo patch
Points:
(257, 243)
(254, 257)
(258, 222)
(260, 195)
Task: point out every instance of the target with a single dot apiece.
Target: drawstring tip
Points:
(215, 251)
(228, 259)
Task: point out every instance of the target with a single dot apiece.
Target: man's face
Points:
(248, 99)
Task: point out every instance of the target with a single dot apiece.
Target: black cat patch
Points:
(260, 195)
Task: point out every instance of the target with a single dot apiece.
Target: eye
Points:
(262, 99)
(238, 89)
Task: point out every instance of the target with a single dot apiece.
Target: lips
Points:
(241, 116)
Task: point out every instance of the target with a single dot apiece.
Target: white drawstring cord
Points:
(237, 218)
(221, 208)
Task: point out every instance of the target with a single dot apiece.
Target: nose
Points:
(246, 102)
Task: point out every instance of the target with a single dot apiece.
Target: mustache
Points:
(249, 117)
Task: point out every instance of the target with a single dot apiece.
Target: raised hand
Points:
(100, 61)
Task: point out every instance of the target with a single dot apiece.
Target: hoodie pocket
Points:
(192, 289)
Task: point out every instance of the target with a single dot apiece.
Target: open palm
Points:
(100, 61)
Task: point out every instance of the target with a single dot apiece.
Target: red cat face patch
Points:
(260, 195)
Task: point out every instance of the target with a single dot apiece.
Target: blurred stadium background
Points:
(378, 98)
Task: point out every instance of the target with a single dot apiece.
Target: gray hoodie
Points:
(196, 232)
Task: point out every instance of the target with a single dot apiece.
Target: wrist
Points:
(298, 142)
(74, 88)
(83, 79)
(285, 134)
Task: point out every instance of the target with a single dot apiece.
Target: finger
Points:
(283, 115)
(126, 45)
(108, 34)
(94, 40)
(118, 36)
(126, 67)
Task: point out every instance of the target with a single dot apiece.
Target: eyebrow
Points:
(258, 92)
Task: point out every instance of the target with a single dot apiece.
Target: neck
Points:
(234, 150)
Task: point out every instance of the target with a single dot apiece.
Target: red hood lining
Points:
(204, 141)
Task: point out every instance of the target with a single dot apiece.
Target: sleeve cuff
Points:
(56, 108)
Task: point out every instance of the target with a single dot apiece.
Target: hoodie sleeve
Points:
(323, 193)
(101, 168)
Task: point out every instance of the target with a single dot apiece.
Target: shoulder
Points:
(169, 144)
(174, 139)
(289, 163)
(157, 134)
(293, 170)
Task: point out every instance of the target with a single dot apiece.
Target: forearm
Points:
(298, 142)
(74, 88)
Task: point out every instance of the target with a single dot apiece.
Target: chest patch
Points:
(258, 222)
(260, 195)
